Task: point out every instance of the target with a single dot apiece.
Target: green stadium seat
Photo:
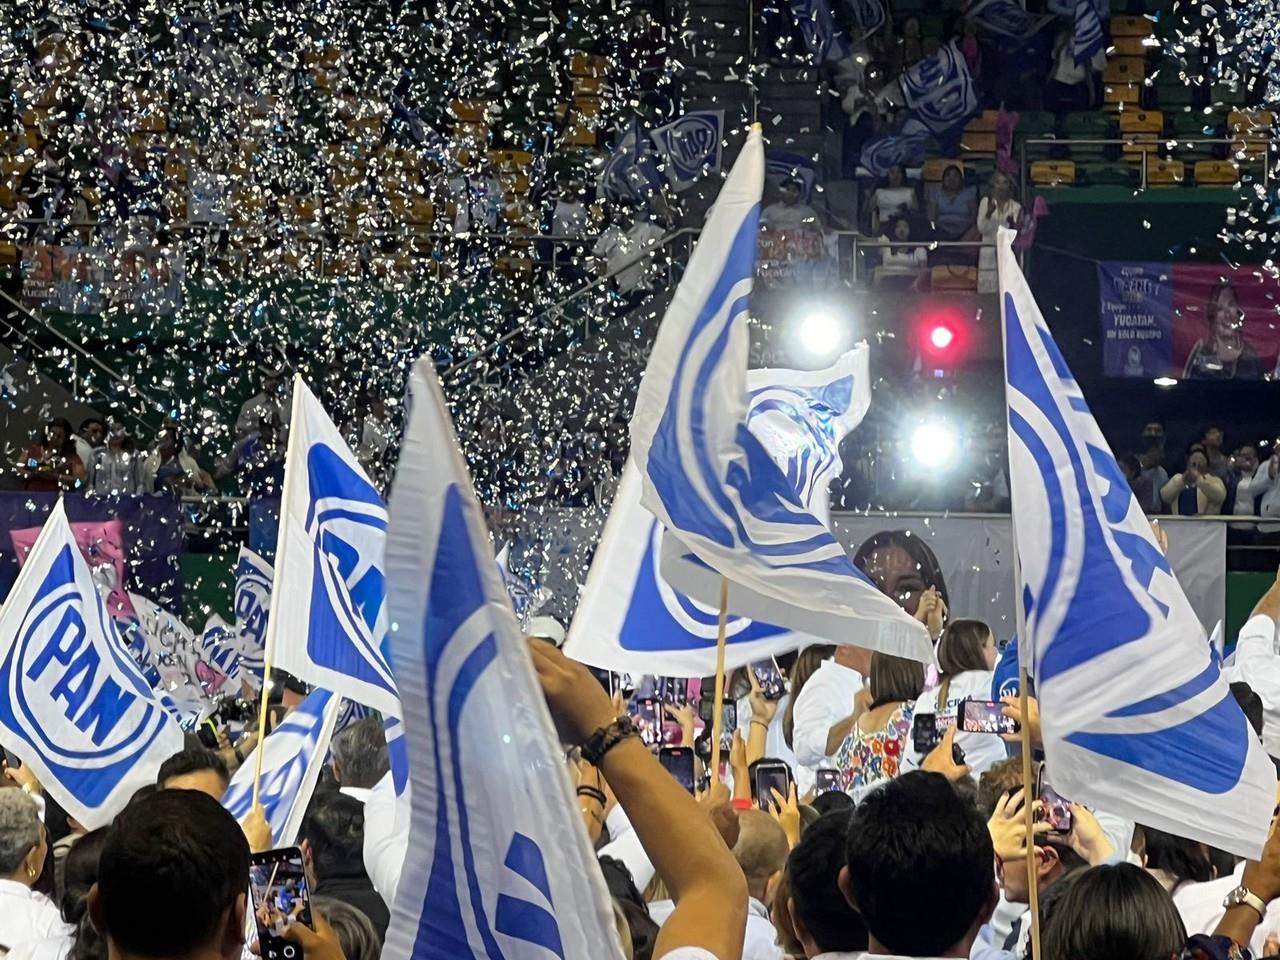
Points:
(1110, 174)
(1173, 94)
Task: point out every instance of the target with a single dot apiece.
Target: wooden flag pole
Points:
(1028, 802)
(262, 723)
(717, 717)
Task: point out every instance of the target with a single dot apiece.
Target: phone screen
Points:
(672, 690)
(678, 761)
(647, 713)
(985, 716)
(1055, 809)
(769, 777)
(728, 720)
(278, 883)
(770, 679)
(826, 781)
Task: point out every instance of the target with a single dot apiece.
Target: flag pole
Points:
(717, 716)
(273, 622)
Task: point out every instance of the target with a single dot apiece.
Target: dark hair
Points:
(360, 753)
(833, 801)
(1114, 912)
(960, 647)
(622, 888)
(88, 420)
(1131, 462)
(915, 547)
(813, 869)
(997, 780)
(894, 679)
(806, 665)
(68, 444)
(907, 842)
(1250, 704)
(80, 872)
(1186, 860)
(193, 760)
(173, 866)
(334, 827)
(355, 931)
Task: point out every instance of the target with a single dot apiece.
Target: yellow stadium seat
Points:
(935, 167)
(978, 143)
(587, 86)
(1053, 173)
(1131, 46)
(587, 107)
(588, 65)
(1132, 27)
(1166, 173)
(469, 111)
(580, 136)
(8, 252)
(985, 122)
(1120, 96)
(1125, 70)
(1216, 173)
(1143, 129)
(1250, 125)
(511, 160)
(954, 277)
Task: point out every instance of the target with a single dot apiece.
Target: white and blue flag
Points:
(690, 146)
(939, 89)
(252, 607)
(74, 706)
(292, 759)
(1006, 18)
(1088, 36)
(631, 172)
(329, 566)
(500, 865)
(713, 485)
(630, 620)
(823, 34)
(1137, 719)
(869, 15)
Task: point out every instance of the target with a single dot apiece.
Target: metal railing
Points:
(1147, 144)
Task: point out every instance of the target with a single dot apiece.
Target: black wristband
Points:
(606, 738)
(593, 794)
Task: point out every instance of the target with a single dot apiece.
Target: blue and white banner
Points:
(823, 35)
(1088, 37)
(1006, 18)
(631, 172)
(292, 759)
(500, 865)
(328, 566)
(1137, 719)
(525, 598)
(869, 15)
(939, 89)
(630, 620)
(690, 146)
(163, 646)
(905, 147)
(780, 166)
(712, 483)
(252, 607)
(73, 705)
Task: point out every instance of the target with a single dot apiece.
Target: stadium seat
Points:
(1132, 27)
(1125, 70)
(1165, 173)
(1110, 174)
(953, 277)
(1131, 46)
(978, 143)
(579, 136)
(587, 107)
(1053, 173)
(1253, 125)
(1216, 173)
(934, 167)
(587, 86)
(1121, 96)
(588, 65)
(1143, 129)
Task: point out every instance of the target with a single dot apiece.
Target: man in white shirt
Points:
(273, 402)
(359, 757)
(790, 212)
(1245, 483)
(1255, 661)
(1200, 905)
(622, 246)
(825, 709)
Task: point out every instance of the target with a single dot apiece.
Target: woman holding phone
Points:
(872, 752)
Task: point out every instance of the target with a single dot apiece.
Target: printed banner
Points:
(1191, 321)
(102, 546)
(86, 280)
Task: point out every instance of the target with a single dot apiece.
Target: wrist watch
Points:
(1243, 896)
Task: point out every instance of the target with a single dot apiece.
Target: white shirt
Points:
(775, 741)
(50, 948)
(619, 248)
(825, 700)
(981, 750)
(26, 915)
(760, 941)
(479, 201)
(1200, 905)
(1255, 662)
(1269, 505)
(625, 845)
(569, 219)
(386, 836)
(358, 793)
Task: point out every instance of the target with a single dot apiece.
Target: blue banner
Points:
(939, 89)
(825, 38)
(690, 146)
(1135, 305)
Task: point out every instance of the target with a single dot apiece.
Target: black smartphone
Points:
(281, 896)
(772, 685)
(768, 777)
(728, 719)
(826, 781)
(985, 716)
(1055, 809)
(678, 761)
(672, 690)
(647, 713)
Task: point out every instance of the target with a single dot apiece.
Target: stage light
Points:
(942, 337)
(933, 444)
(1165, 382)
(821, 334)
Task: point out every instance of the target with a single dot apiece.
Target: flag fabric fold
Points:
(252, 608)
(728, 507)
(1137, 719)
(500, 864)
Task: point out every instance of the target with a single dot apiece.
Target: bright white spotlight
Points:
(933, 444)
(1165, 382)
(941, 337)
(821, 334)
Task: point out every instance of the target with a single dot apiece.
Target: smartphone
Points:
(770, 679)
(728, 720)
(281, 895)
(768, 777)
(928, 729)
(826, 781)
(672, 690)
(678, 761)
(647, 713)
(985, 716)
(1055, 809)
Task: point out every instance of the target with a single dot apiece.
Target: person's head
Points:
(900, 230)
(1212, 438)
(1130, 465)
(1197, 460)
(23, 846)
(333, 833)
(761, 851)
(952, 179)
(356, 935)
(1245, 460)
(807, 663)
(833, 801)
(902, 566)
(93, 431)
(1187, 861)
(1001, 187)
(1114, 913)
(360, 753)
(966, 645)
(790, 191)
(57, 434)
(911, 27)
(641, 933)
(1223, 311)
(172, 879)
(117, 435)
(196, 768)
(272, 381)
(896, 176)
(894, 679)
(914, 841)
(80, 873)
(821, 918)
(1153, 433)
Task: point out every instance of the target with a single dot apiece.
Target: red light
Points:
(942, 337)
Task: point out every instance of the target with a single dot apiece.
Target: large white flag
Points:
(1137, 719)
(329, 567)
(293, 756)
(713, 485)
(74, 706)
(500, 865)
(630, 619)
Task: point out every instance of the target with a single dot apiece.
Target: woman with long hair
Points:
(872, 752)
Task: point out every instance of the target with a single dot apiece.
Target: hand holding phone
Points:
(678, 761)
(984, 716)
(1054, 810)
(647, 713)
(281, 897)
(770, 679)
(767, 777)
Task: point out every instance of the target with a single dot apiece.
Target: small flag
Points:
(939, 89)
(293, 757)
(631, 172)
(500, 865)
(73, 704)
(1137, 719)
(252, 606)
(690, 146)
(1088, 37)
